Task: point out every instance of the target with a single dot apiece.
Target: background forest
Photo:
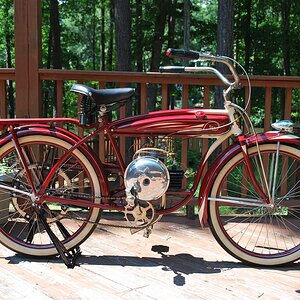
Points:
(132, 35)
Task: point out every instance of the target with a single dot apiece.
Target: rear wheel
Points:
(20, 229)
(249, 230)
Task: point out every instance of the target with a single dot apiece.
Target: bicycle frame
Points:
(219, 124)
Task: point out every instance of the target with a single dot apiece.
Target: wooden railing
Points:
(125, 78)
(142, 80)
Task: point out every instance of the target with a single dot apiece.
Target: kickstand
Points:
(69, 257)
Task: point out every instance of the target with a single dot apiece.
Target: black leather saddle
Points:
(104, 96)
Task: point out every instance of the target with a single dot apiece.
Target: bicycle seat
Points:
(104, 96)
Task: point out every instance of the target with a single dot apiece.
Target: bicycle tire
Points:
(254, 234)
(20, 230)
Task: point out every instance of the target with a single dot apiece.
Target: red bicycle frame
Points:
(183, 123)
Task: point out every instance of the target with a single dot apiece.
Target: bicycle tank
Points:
(178, 123)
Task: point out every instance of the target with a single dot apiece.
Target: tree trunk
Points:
(102, 37)
(286, 48)
(123, 34)
(160, 23)
(186, 23)
(171, 23)
(224, 40)
(94, 42)
(139, 36)
(247, 37)
(55, 27)
(111, 40)
(123, 57)
(285, 13)
(55, 43)
(186, 26)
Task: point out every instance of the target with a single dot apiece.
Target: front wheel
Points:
(20, 228)
(246, 228)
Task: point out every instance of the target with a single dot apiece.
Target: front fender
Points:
(67, 136)
(227, 154)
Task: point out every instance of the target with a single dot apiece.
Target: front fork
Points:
(262, 189)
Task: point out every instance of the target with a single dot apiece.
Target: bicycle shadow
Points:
(182, 264)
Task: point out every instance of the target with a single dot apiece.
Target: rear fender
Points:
(67, 136)
(227, 154)
(40, 129)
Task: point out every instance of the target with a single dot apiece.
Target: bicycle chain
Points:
(101, 223)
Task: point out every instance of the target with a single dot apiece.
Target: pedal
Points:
(147, 231)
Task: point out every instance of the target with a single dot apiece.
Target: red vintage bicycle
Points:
(53, 187)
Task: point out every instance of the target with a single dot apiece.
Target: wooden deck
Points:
(178, 261)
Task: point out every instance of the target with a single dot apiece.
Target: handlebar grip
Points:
(172, 69)
(180, 53)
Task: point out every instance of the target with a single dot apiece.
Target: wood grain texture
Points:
(177, 261)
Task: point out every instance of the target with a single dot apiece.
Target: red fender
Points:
(227, 154)
(67, 136)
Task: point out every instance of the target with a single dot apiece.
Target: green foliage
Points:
(6, 32)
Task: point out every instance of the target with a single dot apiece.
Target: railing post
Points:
(28, 57)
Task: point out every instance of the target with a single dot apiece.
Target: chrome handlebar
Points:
(194, 55)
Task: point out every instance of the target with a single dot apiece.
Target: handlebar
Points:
(181, 69)
(180, 53)
(189, 54)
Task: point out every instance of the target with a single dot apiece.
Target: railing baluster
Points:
(287, 116)
(80, 130)
(268, 101)
(59, 98)
(164, 88)
(143, 98)
(3, 100)
(184, 146)
(206, 104)
(288, 103)
(122, 140)
(102, 143)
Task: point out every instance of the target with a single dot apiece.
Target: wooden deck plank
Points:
(118, 265)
